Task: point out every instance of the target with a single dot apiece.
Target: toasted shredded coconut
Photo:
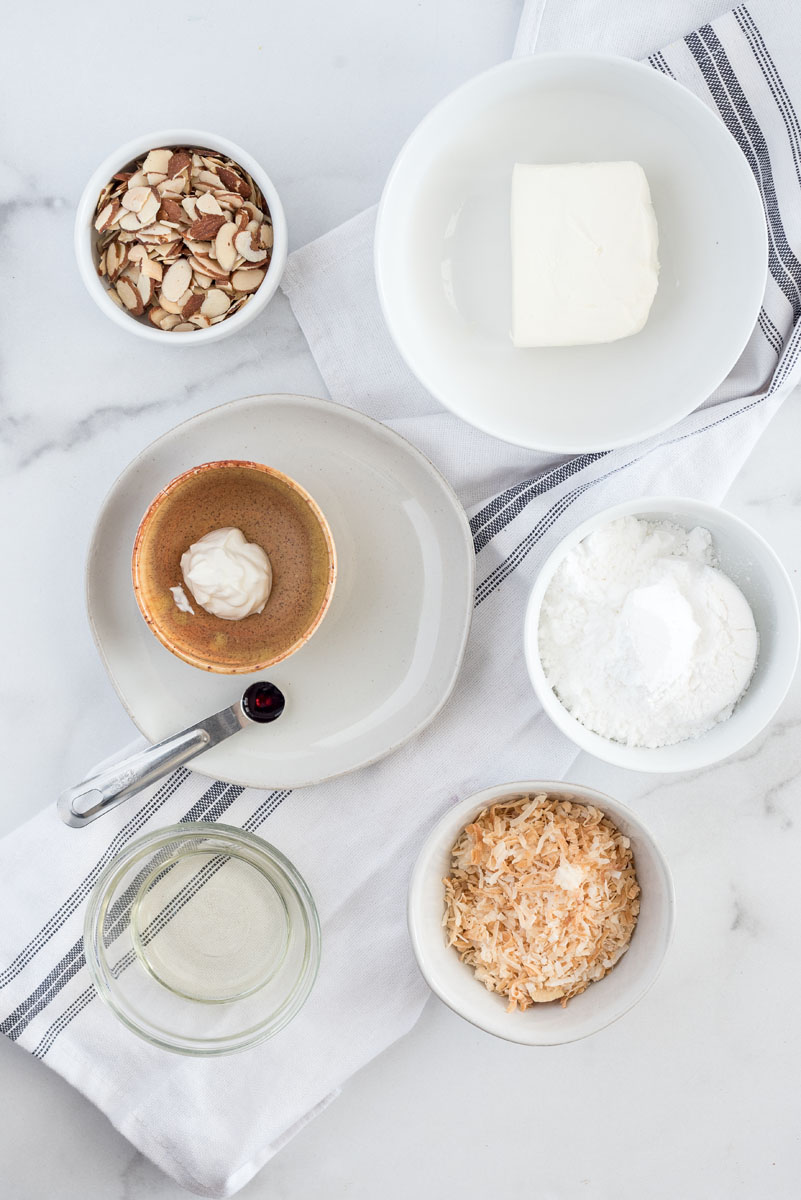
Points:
(542, 898)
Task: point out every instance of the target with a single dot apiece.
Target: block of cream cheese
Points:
(584, 253)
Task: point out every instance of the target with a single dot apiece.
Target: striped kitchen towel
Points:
(212, 1124)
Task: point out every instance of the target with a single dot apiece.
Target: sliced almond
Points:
(206, 226)
(184, 327)
(156, 315)
(206, 265)
(207, 177)
(134, 199)
(116, 258)
(112, 295)
(170, 321)
(172, 187)
(176, 280)
(130, 296)
(146, 287)
(233, 183)
(137, 253)
(266, 235)
(215, 303)
(105, 196)
(152, 269)
(247, 280)
(208, 204)
(196, 247)
(224, 246)
(189, 205)
(158, 160)
(244, 244)
(229, 199)
(149, 209)
(178, 161)
(158, 233)
(191, 307)
(200, 321)
(169, 306)
(171, 210)
(202, 280)
(105, 218)
(130, 221)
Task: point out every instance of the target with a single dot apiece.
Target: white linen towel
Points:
(212, 1124)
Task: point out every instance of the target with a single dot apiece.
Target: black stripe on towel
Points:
(73, 901)
(660, 63)
(503, 509)
(738, 117)
(759, 49)
(211, 806)
(510, 564)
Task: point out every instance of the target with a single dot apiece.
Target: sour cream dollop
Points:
(228, 576)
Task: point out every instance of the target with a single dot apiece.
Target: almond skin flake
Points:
(542, 898)
(151, 220)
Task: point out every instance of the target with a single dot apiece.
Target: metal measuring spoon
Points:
(260, 703)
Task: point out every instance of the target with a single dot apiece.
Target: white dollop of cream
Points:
(182, 600)
(228, 576)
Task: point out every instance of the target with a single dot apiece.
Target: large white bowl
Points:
(746, 558)
(543, 1024)
(443, 257)
(86, 237)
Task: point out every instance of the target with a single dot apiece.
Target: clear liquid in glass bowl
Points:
(203, 939)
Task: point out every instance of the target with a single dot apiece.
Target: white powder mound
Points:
(642, 638)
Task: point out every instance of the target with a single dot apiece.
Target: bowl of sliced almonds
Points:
(181, 232)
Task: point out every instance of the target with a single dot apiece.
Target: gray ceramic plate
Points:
(386, 657)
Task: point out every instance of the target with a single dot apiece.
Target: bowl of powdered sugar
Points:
(662, 634)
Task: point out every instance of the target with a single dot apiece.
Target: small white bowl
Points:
(542, 1024)
(746, 558)
(86, 236)
(443, 254)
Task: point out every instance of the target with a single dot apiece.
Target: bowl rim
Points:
(210, 1047)
(698, 753)
(196, 660)
(520, 65)
(447, 829)
(84, 234)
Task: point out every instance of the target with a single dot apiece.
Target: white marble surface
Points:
(694, 1093)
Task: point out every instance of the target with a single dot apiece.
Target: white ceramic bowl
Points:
(443, 258)
(746, 558)
(542, 1024)
(85, 236)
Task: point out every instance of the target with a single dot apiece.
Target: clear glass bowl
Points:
(202, 939)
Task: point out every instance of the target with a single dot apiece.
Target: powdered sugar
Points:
(642, 638)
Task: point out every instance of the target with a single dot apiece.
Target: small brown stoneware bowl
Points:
(271, 510)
